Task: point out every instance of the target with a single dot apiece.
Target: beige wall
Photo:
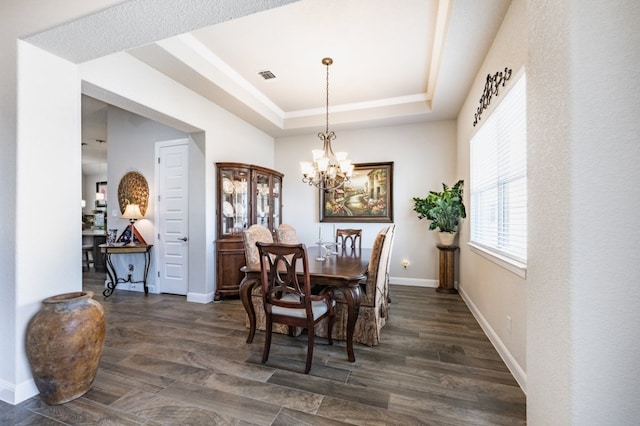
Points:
(491, 291)
(574, 316)
(424, 157)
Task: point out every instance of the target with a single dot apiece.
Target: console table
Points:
(447, 269)
(109, 250)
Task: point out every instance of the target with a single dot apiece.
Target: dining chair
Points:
(349, 238)
(374, 306)
(386, 258)
(287, 297)
(252, 235)
(286, 234)
(87, 256)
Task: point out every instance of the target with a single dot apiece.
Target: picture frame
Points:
(125, 236)
(101, 187)
(367, 197)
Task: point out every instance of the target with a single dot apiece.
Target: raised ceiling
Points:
(394, 61)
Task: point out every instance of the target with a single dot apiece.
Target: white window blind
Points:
(499, 178)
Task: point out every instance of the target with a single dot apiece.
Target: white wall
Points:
(19, 19)
(582, 293)
(40, 270)
(492, 292)
(424, 156)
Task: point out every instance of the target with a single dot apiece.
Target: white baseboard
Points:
(191, 297)
(15, 394)
(415, 282)
(200, 297)
(513, 366)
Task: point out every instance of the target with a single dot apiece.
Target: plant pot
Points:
(64, 344)
(447, 239)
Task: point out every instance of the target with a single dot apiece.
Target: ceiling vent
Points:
(267, 75)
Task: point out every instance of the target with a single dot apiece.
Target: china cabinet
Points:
(246, 195)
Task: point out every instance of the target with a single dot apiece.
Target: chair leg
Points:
(309, 349)
(330, 322)
(87, 261)
(267, 339)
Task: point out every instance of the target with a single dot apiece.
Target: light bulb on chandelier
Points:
(327, 171)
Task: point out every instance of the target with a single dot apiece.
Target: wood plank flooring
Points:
(169, 362)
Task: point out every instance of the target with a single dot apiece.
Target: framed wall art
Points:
(101, 188)
(367, 197)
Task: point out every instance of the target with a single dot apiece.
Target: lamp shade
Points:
(132, 212)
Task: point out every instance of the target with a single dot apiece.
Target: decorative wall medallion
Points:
(491, 86)
(133, 189)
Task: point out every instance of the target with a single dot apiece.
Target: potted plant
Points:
(444, 209)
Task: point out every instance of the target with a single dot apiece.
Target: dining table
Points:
(344, 270)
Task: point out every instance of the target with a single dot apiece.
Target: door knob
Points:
(183, 238)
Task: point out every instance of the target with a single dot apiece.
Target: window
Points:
(498, 187)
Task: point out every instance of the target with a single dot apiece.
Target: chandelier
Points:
(327, 171)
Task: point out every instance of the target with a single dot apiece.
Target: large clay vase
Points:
(64, 344)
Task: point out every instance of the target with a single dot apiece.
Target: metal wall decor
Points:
(491, 86)
(133, 189)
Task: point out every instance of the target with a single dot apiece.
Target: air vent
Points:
(267, 75)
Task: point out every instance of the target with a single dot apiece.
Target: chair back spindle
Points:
(349, 238)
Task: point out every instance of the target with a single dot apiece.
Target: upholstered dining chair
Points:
(349, 238)
(254, 234)
(286, 234)
(374, 307)
(287, 297)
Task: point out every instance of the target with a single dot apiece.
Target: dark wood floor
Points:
(169, 362)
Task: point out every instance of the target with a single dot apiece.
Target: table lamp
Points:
(132, 212)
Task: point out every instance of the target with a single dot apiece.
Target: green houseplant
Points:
(444, 209)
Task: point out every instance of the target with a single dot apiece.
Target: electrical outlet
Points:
(130, 267)
(509, 324)
(405, 264)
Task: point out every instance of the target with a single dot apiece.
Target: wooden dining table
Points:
(343, 271)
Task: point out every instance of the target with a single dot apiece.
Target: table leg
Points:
(147, 262)
(352, 297)
(246, 288)
(113, 277)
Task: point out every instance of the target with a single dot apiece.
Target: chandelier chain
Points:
(329, 171)
(327, 114)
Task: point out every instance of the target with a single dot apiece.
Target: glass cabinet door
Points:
(263, 200)
(234, 202)
(277, 201)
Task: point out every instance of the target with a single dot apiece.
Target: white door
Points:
(173, 223)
